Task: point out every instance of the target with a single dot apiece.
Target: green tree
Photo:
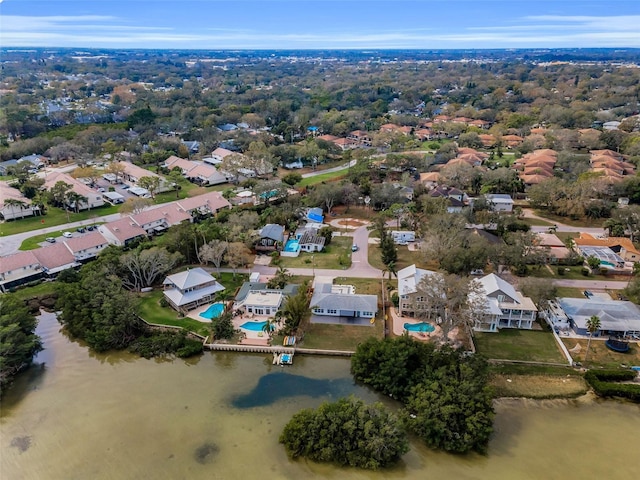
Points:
(18, 342)
(99, 310)
(152, 184)
(292, 178)
(593, 325)
(348, 433)
(295, 310)
(222, 327)
(280, 279)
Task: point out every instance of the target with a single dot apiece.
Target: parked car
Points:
(587, 294)
(354, 248)
(50, 240)
(90, 228)
(67, 235)
(101, 190)
(80, 230)
(125, 187)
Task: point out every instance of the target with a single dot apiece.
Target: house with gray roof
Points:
(617, 317)
(190, 289)
(271, 238)
(342, 301)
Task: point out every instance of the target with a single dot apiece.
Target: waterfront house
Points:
(516, 310)
(342, 301)
(189, 289)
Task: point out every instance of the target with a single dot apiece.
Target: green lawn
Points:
(43, 288)
(581, 222)
(600, 355)
(325, 177)
(570, 292)
(152, 312)
(574, 273)
(55, 216)
(339, 337)
(328, 258)
(513, 344)
(405, 258)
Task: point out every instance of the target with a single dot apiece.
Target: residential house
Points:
(617, 318)
(192, 145)
(409, 279)
(204, 205)
(196, 172)
(607, 257)
(457, 199)
(217, 156)
(271, 238)
(189, 289)
(91, 198)
(516, 310)
(622, 246)
(85, 247)
(56, 258)
(18, 269)
(122, 232)
(258, 299)
(342, 301)
(310, 241)
(554, 248)
(133, 173)
(362, 137)
(500, 202)
(315, 215)
(159, 219)
(13, 204)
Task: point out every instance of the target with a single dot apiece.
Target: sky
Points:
(320, 24)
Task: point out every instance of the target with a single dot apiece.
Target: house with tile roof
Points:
(92, 197)
(133, 173)
(56, 258)
(122, 232)
(86, 246)
(18, 269)
(160, 219)
(623, 246)
(189, 289)
(13, 204)
(204, 205)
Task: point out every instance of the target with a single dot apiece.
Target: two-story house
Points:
(189, 289)
(515, 310)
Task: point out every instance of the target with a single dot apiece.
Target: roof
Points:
(492, 283)
(213, 201)
(273, 231)
(310, 237)
(86, 241)
(315, 214)
(409, 277)
(264, 298)
(123, 229)
(604, 254)
(56, 257)
(549, 240)
(190, 278)
(324, 297)
(500, 198)
(616, 315)
(18, 260)
(289, 289)
(168, 212)
(7, 192)
(587, 239)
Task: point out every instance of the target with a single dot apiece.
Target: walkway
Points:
(352, 163)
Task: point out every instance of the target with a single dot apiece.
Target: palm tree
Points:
(16, 203)
(269, 326)
(593, 325)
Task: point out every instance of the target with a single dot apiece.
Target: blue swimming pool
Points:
(292, 245)
(255, 326)
(423, 327)
(214, 311)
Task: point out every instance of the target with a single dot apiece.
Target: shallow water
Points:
(77, 415)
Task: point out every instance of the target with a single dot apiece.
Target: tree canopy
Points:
(346, 432)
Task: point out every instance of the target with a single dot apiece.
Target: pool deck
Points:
(250, 335)
(195, 314)
(398, 327)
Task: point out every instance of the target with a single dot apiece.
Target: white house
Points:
(121, 232)
(92, 198)
(18, 269)
(408, 280)
(506, 307)
(189, 289)
(86, 247)
(500, 202)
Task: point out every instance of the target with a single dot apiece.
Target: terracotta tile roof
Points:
(55, 256)
(18, 260)
(212, 200)
(168, 212)
(86, 241)
(589, 240)
(124, 229)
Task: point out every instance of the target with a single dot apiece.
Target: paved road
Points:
(592, 284)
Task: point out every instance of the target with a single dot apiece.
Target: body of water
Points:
(78, 415)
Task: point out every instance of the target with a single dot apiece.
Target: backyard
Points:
(523, 345)
(405, 258)
(600, 355)
(335, 256)
(339, 337)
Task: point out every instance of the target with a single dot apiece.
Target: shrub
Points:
(164, 302)
(585, 271)
(560, 270)
(604, 383)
